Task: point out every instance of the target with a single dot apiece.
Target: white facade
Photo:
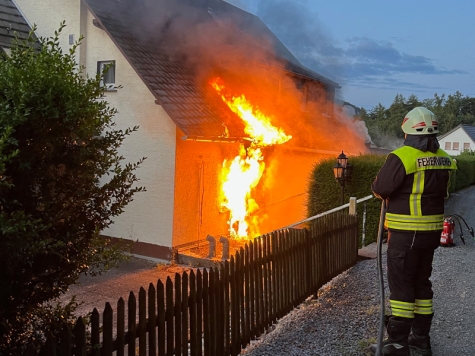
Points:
(149, 218)
(456, 141)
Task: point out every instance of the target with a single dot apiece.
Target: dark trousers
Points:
(409, 262)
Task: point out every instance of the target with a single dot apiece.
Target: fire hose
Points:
(382, 317)
(381, 278)
(469, 229)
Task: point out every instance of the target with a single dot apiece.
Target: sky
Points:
(376, 49)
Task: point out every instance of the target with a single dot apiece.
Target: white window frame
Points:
(109, 79)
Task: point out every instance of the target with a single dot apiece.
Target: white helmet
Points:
(420, 121)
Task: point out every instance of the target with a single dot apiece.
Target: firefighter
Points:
(414, 182)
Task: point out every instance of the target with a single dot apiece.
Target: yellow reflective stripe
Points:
(424, 302)
(403, 313)
(413, 219)
(402, 309)
(415, 227)
(414, 223)
(424, 306)
(424, 311)
(415, 197)
(403, 305)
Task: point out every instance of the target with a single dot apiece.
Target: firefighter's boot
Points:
(396, 345)
(419, 340)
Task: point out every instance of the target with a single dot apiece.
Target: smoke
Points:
(299, 28)
(350, 114)
(211, 38)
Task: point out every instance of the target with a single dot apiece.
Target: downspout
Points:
(200, 198)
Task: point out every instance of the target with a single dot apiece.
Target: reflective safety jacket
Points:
(415, 185)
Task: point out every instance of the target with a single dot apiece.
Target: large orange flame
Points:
(241, 175)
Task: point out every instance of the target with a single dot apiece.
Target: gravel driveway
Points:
(344, 319)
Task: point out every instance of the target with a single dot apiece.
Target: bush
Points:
(62, 181)
(324, 192)
(465, 174)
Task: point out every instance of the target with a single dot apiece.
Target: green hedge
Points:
(465, 174)
(324, 192)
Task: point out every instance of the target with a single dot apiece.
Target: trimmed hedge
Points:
(465, 174)
(324, 192)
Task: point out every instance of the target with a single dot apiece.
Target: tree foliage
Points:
(384, 124)
(62, 181)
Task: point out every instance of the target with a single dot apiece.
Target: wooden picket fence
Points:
(218, 311)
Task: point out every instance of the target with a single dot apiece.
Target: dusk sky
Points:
(376, 49)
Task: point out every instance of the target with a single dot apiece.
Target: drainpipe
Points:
(200, 198)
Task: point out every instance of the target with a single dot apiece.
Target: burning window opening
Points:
(241, 175)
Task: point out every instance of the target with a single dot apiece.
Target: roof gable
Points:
(468, 129)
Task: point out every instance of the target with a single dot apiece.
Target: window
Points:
(448, 146)
(466, 146)
(108, 67)
(455, 146)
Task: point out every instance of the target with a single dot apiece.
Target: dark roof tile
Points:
(470, 130)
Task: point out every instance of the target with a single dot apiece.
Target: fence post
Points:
(50, 347)
(131, 315)
(120, 327)
(142, 327)
(352, 208)
(31, 350)
(79, 337)
(363, 235)
(107, 330)
(95, 334)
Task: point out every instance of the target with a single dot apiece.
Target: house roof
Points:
(469, 130)
(11, 22)
(140, 28)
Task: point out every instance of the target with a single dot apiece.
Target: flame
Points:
(241, 175)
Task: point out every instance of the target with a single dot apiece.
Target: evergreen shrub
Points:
(465, 174)
(324, 192)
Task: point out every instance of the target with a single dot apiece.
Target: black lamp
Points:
(342, 171)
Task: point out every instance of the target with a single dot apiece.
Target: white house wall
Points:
(149, 218)
(48, 14)
(458, 136)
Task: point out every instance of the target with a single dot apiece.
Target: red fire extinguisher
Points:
(447, 236)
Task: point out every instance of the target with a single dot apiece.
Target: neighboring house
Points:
(163, 54)
(459, 139)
